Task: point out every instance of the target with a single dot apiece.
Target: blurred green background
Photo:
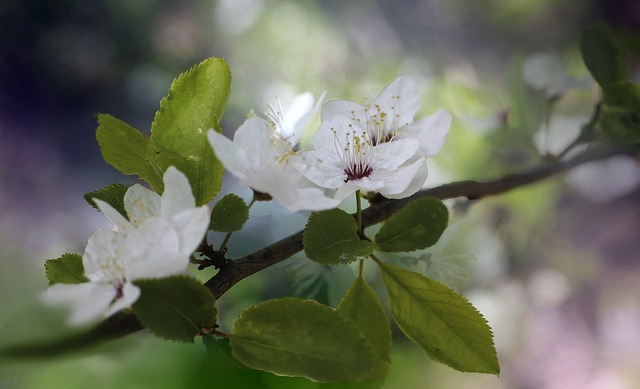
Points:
(553, 267)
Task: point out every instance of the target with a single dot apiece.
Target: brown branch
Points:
(234, 271)
(240, 269)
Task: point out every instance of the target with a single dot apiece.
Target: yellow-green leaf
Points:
(440, 320)
(362, 306)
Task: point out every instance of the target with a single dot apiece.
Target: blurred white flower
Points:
(546, 73)
(161, 234)
(554, 136)
(112, 261)
(607, 180)
(264, 160)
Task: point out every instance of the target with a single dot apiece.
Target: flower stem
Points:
(359, 212)
(359, 222)
(228, 236)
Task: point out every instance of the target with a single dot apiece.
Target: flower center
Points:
(381, 126)
(355, 154)
(119, 290)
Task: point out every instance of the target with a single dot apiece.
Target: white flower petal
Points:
(430, 131)
(406, 180)
(141, 204)
(399, 101)
(103, 249)
(153, 250)
(322, 169)
(230, 155)
(177, 195)
(345, 109)
(255, 138)
(301, 112)
(118, 220)
(87, 301)
(191, 226)
(130, 294)
(390, 155)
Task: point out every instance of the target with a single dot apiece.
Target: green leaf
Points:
(362, 306)
(67, 269)
(621, 126)
(620, 117)
(175, 308)
(302, 338)
(603, 54)
(112, 194)
(126, 149)
(195, 103)
(440, 320)
(331, 238)
(417, 225)
(229, 214)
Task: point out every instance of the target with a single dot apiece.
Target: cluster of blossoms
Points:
(155, 240)
(377, 148)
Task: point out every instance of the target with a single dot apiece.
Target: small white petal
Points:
(407, 180)
(141, 204)
(120, 222)
(343, 109)
(177, 195)
(430, 131)
(301, 113)
(104, 249)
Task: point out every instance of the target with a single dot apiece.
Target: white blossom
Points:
(161, 234)
(112, 261)
(345, 158)
(265, 161)
(378, 147)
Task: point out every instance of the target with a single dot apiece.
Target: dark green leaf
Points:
(302, 338)
(440, 320)
(331, 238)
(620, 117)
(175, 308)
(195, 103)
(603, 54)
(67, 269)
(621, 126)
(112, 194)
(229, 214)
(417, 225)
(362, 306)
